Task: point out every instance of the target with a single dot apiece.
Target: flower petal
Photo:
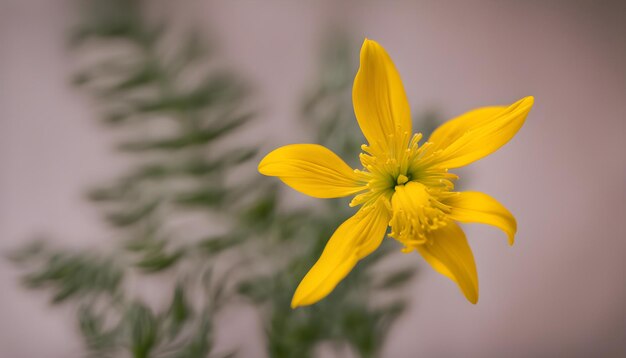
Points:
(312, 170)
(478, 133)
(450, 255)
(475, 207)
(356, 238)
(378, 96)
(453, 129)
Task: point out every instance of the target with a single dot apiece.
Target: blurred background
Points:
(134, 223)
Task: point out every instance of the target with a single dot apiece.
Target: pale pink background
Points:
(560, 291)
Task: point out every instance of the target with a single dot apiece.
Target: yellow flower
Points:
(402, 184)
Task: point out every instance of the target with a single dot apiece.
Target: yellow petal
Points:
(379, 100)
(453, 129)
(478, 133)
(312, 170)
(356, 238)
(450, 255)
(475, 207)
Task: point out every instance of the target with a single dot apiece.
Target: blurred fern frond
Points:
(169, 103)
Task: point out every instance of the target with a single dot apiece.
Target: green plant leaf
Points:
(143, 330)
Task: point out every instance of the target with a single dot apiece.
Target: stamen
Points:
(402, 179)
(416, 213)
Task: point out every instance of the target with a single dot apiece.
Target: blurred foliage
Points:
(184, 216)
(168, 101)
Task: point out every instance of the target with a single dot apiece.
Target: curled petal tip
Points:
(511, 240)
(471, 295)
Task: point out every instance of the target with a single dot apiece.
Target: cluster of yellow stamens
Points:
(412, 186)
(416, 212)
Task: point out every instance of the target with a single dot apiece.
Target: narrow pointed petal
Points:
(449, 254)
(356, 238)
(475, 207)
(313, 170)
(453, 129)
(378, 96)
(478, 133)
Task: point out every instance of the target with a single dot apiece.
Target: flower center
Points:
(416, 212)
(402, 179)
(399, 162)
